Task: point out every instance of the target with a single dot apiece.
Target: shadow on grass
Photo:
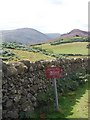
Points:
(67, 102)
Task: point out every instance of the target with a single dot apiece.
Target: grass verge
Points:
(72, 105)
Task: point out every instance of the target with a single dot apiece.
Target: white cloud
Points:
(56, 2)
(44, 15)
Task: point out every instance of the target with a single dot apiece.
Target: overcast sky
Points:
(47, 16)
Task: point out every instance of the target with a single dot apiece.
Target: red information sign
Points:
(53, 72)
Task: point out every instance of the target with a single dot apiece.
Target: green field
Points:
(46, 51)
(69, 48)
(25, 55)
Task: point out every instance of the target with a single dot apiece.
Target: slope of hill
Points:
(75, 33)
(24, 35)
(53, 35)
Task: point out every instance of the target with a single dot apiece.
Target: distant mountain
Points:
(32, 36)
(53, 35)
(75, 32)
(25, 36)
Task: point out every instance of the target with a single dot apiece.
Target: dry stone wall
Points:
(23, 81)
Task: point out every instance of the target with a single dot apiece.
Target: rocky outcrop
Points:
(22, 83)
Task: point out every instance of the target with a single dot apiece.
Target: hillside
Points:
(24, 35)
(75, 33)
(53, 35)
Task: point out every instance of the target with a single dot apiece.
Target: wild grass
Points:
(71, 105)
